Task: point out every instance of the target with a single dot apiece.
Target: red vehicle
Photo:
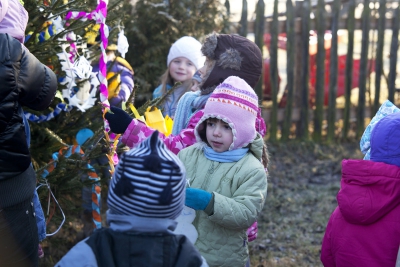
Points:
(313, 67)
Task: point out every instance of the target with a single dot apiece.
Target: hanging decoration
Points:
(123, 44)
(66, 152)
(99, 16)
(60, 107)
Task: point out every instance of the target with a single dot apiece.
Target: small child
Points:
(145, 195)
(228, 181)
(196, 80)
(184, 58)
(364, 229)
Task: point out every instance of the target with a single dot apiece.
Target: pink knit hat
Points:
(13, 19)
(236, 103)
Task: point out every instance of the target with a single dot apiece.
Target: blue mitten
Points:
(118, 120)
(197, 199)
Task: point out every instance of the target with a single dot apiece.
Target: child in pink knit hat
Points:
(227, 173)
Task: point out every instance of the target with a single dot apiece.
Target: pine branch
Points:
(159, 100)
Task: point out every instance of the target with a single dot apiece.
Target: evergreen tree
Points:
(51, 135)
(156, 24)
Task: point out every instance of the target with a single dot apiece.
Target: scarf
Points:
(227, 156)
(187, 105)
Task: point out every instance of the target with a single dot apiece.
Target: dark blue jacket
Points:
(24, 81)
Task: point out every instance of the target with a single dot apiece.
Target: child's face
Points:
(181, 69)
(219, 135)
(195, 86)
(203, 70)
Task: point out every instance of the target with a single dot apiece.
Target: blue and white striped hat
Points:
(149, 181)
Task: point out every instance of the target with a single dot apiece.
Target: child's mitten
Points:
(252, 232)
(197, 199)
(118, 121)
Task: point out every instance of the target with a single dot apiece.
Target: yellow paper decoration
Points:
(155, 119)
(169, 123)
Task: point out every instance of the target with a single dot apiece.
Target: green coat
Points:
(239, 191)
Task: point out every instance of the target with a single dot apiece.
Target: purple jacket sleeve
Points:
(126, 84)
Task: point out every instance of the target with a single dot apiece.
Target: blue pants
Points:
(40, 219)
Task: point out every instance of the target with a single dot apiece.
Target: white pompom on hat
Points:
(189, 48)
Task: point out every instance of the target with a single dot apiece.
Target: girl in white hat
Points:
(184, 58)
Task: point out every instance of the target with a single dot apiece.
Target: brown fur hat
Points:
(233, 55)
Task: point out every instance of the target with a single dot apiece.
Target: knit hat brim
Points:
(235, 103)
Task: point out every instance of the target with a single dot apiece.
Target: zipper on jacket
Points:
(210, 171)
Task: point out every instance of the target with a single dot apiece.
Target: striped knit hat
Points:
(236, 103)
(149, 181)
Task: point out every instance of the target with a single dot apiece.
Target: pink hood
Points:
(13, 19)
(369, 190)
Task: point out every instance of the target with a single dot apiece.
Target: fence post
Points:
(290, 48)
(363, 69)
(302, 73)
(243, 20)
(379, 54)
(333, 70)
(394, 46)
(274, 73)
(259, 40)
(349, 66)
(320, 79)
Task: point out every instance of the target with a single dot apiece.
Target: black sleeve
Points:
(37, 82)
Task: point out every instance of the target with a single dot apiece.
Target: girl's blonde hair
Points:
(166, 78)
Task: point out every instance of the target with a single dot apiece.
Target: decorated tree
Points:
(70, 37)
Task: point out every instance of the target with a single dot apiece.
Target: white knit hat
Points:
(189, 48)
(149, 181)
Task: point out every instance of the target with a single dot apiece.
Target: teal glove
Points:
(197, 199)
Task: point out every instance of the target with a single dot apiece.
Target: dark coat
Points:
(24, 81)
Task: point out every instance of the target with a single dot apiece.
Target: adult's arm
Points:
(37, 82)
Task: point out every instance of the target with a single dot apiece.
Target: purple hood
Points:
(13, 19)
(369, 190)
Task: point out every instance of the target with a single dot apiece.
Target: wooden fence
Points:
(305, 114)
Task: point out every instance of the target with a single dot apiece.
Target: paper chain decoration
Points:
(99, 16)
(92, 175)
(60, 107)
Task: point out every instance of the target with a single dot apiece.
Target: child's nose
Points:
(217, 131)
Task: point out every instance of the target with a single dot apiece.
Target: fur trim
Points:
(230, 59)
(209, 45)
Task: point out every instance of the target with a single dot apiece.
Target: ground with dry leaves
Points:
(304, 179)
